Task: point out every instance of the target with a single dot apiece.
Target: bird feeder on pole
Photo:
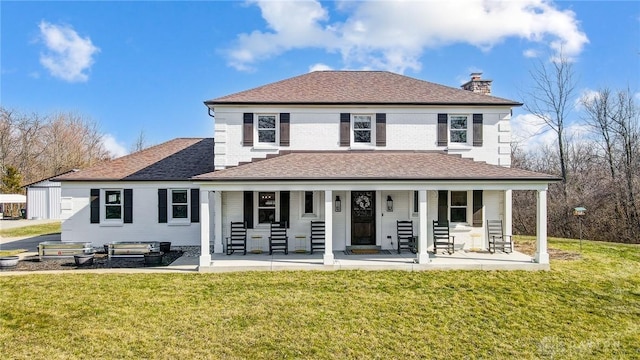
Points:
(579, 212)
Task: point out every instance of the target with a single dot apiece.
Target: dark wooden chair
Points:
(498, 240)
(237, 240)
(317, 235)
(441, 238)
(278, 239)
(406, 239)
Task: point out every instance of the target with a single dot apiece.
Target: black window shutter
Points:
(477, 129)
(381, 129)
(128, 206)
(95, 206)
(442, 130)
(416, 202)
(284, 129)
(285, 197)
(477, 208)
(247, 129)
(443, 205)
(162, 205)
(345, 129)
(248, 209)
(195, 205)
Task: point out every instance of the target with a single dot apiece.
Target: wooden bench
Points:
(127, 249)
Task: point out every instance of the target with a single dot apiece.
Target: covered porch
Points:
(419, 181)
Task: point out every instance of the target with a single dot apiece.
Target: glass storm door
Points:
(363, 218)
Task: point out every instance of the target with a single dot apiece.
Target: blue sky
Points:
(148, 66)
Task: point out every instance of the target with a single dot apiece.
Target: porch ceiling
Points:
(368, 166)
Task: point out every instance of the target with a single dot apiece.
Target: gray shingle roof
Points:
(371, 165)
(358, 87)
(177, 159)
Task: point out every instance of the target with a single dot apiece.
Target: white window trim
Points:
(256, 209)
(468, 207)
(462, 145)
(256, 132)
(103, 208)
(178, 221)
(370, 144)
(316, 206)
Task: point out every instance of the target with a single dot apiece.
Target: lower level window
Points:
(113, 204)
(179, 204)
(308, 202)
(458, 208)
(266, 207)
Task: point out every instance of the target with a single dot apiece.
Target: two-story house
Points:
(358, 150)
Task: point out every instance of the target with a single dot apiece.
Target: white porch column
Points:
(328, 225)
(217, 222)
(205, 256)
(423, 255)
(541, 256)
(508, 212)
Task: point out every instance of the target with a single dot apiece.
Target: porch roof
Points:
(371, 165)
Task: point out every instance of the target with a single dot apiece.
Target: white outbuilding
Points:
(43, 199)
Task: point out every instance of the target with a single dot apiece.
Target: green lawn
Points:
(32, 230)
(587, 308)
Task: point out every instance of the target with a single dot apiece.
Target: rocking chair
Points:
(237, 240)
(497, 238)
(441, 237)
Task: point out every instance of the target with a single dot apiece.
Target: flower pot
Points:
(83, 259)
(9, 261)
(165, 246)
(153, 258)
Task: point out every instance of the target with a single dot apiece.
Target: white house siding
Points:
(43, 200)
(318, 128)
(76, 224)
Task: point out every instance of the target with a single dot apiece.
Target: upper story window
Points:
(458, 126)
(363, 128)
(267, 129)
(113, 204)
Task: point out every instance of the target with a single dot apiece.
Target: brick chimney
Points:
(478, 85)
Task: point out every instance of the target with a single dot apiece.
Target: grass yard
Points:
(587, 308)
(32, 230)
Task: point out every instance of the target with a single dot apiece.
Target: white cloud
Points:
(68, 56)
(585, 95)
(112, 145)
(531, 132)
(393, 35)
(319, 67)
(530, 53)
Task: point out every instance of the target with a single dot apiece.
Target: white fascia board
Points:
(371, 185)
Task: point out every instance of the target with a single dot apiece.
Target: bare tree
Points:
(140, 143)
(551, 98)
(42, 146)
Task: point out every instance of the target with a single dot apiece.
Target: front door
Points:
(363, 218)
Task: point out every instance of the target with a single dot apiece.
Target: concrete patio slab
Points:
(461, 260)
